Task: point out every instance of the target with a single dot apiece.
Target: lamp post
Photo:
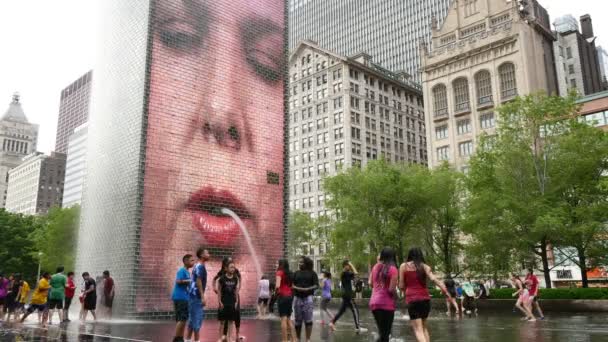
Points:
(39, 257)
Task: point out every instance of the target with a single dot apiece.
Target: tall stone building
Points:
(19, 138)
(577, 58)
(344, 112)
(486, 53)
(36, 185)
(73, 110)
(389, 30)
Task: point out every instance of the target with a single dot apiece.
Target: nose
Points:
(223, 105)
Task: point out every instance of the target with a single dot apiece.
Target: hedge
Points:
(560, 293)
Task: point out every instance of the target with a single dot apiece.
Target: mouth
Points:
(216, 227)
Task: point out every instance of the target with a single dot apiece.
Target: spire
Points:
(15, 112)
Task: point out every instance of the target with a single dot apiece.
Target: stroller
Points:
(469, 304)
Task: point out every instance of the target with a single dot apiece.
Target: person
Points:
(180, 297)
(196, 295)
(4, 285)
(534, 294)
(359, 289)
(12, 297)
(213, 147)
(468, 303)
(346, 280)
(70, 291)
(109, 292)
(228, 285)
(285, 299)
(89, 296)
(414, 275)
(326, 298)
(305, 282)
(263, 296)
(450, 285)
(24, 292)
(57, 294)
(237, 321)
(39, 299)
(523, 295)
(383, 282)
(273, 297)
(484, 292)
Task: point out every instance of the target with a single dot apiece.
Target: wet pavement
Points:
(495, 327)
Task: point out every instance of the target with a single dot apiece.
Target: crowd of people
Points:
(54, 294)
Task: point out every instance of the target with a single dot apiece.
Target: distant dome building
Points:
(18, 137)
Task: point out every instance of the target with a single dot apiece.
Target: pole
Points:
(39, 257)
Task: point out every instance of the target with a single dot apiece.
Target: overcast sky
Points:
(47, 44)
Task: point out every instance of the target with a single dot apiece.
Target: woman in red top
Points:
(285, 300)
(414, 274)
(70, 290)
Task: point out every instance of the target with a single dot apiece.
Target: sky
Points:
(46, 45)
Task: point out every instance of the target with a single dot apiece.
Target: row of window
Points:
(463, 126)
(483, 86)
(465, 149)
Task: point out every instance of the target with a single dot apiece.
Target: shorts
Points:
(263, 301)
(55, 304)
(90, 302)
(325, 303)
(452, 292)
(181, 310)
(3, 301)
(197, 314)
(67, 303)
(303, 308)
(227, 313)
(108, 301)
(419, 310)
(285, 306)
(534, 299)
(34, 307)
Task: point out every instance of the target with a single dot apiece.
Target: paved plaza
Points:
(495, 327)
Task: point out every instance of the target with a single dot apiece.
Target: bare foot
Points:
(332, 326)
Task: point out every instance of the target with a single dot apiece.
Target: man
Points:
(180, 297)
(89, 296)
(39, 299)
(3, 293)
(70, 290)
(532, 280)
(196, 298)
(108, 293)
(305, 282)
(57, 295)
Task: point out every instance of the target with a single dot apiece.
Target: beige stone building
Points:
(486, 53)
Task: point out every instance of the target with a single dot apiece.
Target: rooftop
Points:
(14, 111)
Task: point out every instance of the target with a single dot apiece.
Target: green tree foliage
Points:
(15, 245)
(56, 237)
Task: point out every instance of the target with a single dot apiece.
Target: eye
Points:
(179, 40)
(265, 65)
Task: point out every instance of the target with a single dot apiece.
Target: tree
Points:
(56, 237)
(15, 246)
(300, 230)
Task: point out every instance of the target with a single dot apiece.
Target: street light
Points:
(39, 258)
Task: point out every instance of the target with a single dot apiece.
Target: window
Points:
(443, 153)
(569, 52)
(487, 120)
(440, 100)
(339, 133)
(564, 274)
(508, 84)
(338, 118)
(483, 84)
(355, 118)
(463, 126)
(441, 132)
(337, 74)
(354, 102)
(561, 51)
(573, 83)
(338, 102)
(339, 149)
(461, 95)
(465, 148)
(355, 133)
(571, 69)
(337, 87)
(356, 149)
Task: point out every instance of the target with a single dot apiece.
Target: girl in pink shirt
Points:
(383, 282)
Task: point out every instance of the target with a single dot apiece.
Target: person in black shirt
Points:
(346, 279)
(228, 287)
(450, 285)
(237, 321)
(90, 296)
(305, 282)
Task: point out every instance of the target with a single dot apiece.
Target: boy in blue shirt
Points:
(196, 300)
(180, 297)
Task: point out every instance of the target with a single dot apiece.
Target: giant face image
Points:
(213, 174)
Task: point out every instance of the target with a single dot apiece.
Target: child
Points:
(450, 285)
(326, 298)
(523, 298)
(228, 285)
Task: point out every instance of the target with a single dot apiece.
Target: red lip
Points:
(217, 228)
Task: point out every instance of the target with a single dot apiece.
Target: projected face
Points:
(215, 140)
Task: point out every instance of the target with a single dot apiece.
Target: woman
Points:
(383, 281)
(12, 300)
(523, 296)
(326, 297)
(285, 300)
(226, 261)
(450, 285)
(414, 277)
(228, 285)
(214, 146)
(346, 280)
(263, 296)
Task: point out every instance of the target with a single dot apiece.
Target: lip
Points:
(217, 228)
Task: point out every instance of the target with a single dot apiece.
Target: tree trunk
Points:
(582, 264)
(545, 259)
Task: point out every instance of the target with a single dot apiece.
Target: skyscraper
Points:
(73, 110)
(389, 30)
(75, 167)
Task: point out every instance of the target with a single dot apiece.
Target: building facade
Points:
(577, 59)
(19, 138)
(36, 185)
(602, 57)
(73, 110)
(344, 112)
(75, 169)
(389, 30)
(486, 53)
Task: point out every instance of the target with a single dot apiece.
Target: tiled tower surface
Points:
(186, 147)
